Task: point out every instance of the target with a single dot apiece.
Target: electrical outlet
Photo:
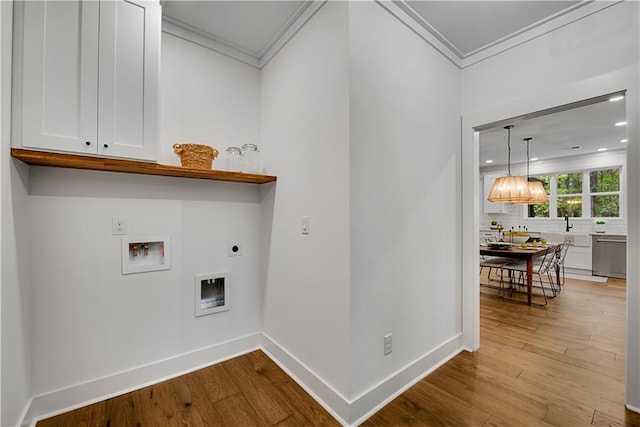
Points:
(118, 226)
(234, 248)
(387, 345)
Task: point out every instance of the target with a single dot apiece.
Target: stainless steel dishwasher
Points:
(609, 255)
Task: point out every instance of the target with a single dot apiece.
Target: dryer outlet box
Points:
(212, 293)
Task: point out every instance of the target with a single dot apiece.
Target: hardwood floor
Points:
(560, 365)
(249, 390)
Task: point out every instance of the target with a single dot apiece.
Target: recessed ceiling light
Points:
(621, 123)
(488, 161)
(602, 149)
(533, 159)
(623, 141)
(616, 98)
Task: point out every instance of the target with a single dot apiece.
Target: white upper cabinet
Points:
(86, 77)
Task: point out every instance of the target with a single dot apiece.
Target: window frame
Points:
(585, 195)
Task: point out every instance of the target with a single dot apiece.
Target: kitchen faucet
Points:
(569, 227)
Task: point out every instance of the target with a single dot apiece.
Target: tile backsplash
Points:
(515, 217)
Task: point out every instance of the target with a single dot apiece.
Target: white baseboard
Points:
(73, 397)
(372, 400)
(348, 412)
(323, 393)
(356, 411)
(632, 408)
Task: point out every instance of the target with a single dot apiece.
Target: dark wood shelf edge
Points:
(74, 161)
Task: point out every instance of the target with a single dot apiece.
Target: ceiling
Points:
(249, 26)
(573, 132)
(464, 31)
(468, 27)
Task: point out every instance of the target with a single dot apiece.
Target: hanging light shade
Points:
(536, 187)
(538, 193)
(510, 188)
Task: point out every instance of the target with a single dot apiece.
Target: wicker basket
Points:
(195, 156)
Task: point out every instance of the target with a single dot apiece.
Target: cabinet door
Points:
(128, 91)
(56, 75)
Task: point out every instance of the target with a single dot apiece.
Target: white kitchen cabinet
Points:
(490, 207)
(86, 77)
(578, 258)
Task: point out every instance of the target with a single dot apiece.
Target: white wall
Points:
(15, 374)
(405, 159)
(593, 56)
(88, 320)
(360, 121)
(206, 98)
(305, 135)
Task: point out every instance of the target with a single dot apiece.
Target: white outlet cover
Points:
(119, 226)
(234, 248)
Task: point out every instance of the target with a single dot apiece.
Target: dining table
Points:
(528, 254)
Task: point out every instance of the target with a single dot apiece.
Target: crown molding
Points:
(426, 33)
(405, 13)
(304, 13)
(400, 10)
(207, 40)
(258, 60)
(536, 30)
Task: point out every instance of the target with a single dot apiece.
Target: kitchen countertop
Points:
(504, 230)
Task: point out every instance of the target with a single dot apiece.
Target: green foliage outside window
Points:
(605, 180)
(569, 183)
(603, 194)
(605, 206)
(570, 206)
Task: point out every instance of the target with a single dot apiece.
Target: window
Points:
(587, 194)
(604, 186)
(569, 194)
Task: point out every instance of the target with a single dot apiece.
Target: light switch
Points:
(305, 225)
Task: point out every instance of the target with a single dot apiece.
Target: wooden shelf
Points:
(73, 161)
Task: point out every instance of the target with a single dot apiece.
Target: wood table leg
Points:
(529, 279)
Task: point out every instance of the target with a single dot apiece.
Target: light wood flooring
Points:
(249, 390)
(560, 365)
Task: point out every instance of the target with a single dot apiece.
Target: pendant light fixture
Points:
(536, 188)
(510, 188)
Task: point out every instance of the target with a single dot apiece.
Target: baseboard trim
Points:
(348, 412)
(25, 410)
(632, 408)
(79, 395)
(372, 400)
(323, 393)
(355, 411)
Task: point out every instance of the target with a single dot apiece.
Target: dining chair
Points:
(557, 266)
(569, 240)
(543, 268)
(494, 262)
